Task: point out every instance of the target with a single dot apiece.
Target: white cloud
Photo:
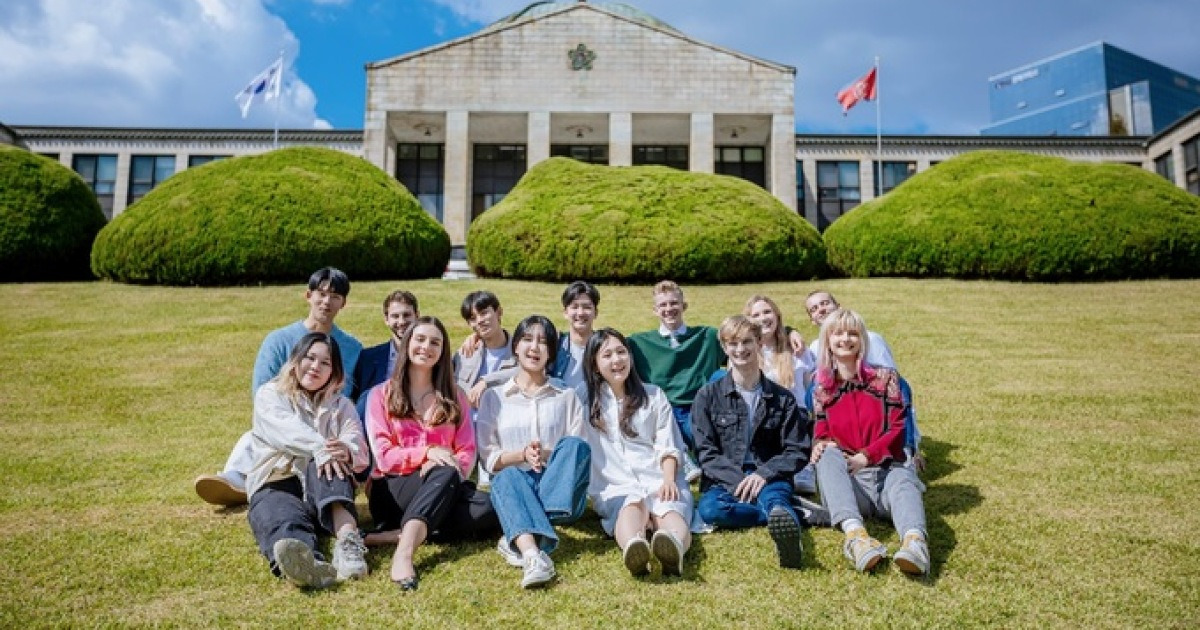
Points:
(144, 63)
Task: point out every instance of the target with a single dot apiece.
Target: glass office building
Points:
(1096, 90)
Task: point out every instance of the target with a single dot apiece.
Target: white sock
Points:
(530, 553)
(851, 524)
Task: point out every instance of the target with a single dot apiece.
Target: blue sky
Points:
(178, 63)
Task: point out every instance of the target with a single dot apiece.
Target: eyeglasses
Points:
(819, 305)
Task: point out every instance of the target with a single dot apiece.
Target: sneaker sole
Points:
(297, 563)
(669, 555)
(637, 557)
(538, 582)
(216, 490)
(513, 559)
(871, 560)
(786, 533)
(907, 565)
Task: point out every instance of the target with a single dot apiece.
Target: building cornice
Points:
(997, 142)
(147, 134)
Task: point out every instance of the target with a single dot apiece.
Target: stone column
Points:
(1180, 174)
(457, 215)
(620, 139)
(181, 162)
(121, 186)
(538, 138)
(811, 192)
(866, 180)
(781, 161)
(700, 144)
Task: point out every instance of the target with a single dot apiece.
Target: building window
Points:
(1191, 161)
(148, 171)
(837, 191)
(100, 173)
(675, 156)
(588, 153)
(498, 167)
(200, 160)
(420, 168)
(894, 174)
(744, 162)
(800, 187)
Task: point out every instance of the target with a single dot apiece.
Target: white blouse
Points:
(624, 466)
(802, 372)
(508, 419)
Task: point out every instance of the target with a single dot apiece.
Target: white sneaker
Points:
(913, 556)
(669, 551)
(349, 557)
(297, 563)
(539, 570)
(637, 557)
(510, 555)
(691, 470)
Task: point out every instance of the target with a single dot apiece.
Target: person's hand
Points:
(747, 490)
(333, 468)
(669, 490)
(534, 455)
(441, 456)
(919, 463)
(338, 450)
(817, 449)
(470, 345)
(857, 462)
(797, 342)
(475, 393)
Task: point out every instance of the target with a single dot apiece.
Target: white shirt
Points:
(573, 375)
(802, 371)
(624, 466)
(508, 419)
(673, 335)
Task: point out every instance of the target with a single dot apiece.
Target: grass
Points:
(1061, 425)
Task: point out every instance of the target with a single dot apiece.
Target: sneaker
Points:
(691, 470)
(296, 563)
(862, 550)
(510, 555)
(349, 556)
(227, 489)
(805, 481)
(669, 551)
(785, 531)
(811, 513)
(913, 555)
(637, 557)
(539, 570)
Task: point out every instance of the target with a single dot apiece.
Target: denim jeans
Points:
(893, 491)
(719, 507)
(529, 502)
(683, 419)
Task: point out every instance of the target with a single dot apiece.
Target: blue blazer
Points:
(370, 371)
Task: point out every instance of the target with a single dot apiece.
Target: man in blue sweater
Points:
(326, 296)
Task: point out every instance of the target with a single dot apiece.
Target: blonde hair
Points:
(781, 359)
(738, 326)
(667, 286)
(841, 319)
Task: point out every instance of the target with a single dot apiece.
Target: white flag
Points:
(265, 84)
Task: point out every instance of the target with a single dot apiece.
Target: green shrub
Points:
(992, 214)
(48, 218)
(272, 217)
(568, 220)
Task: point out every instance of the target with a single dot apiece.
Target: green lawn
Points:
(1062, 425)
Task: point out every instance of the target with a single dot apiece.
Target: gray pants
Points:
(873, 491)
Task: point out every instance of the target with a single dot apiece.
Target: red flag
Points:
(861, 90)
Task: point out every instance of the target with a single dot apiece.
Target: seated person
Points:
(307, 444)
(859, 448)
(580, 302)
(637, 485)
(752, 436)
(400, 310)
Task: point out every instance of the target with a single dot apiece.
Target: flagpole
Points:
(278, 97)
(878, 135)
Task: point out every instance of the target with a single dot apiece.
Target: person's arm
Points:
(464, 444)
(880, 353)
(892, 440)
(713, 461)
(349, 432)
(487, 433)
(668, 443)
(574, 414)
(271, 356)
(499, 376)
(277, 423)
(391, 455)
(794, 437)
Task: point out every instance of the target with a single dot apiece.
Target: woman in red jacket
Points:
(858, 448)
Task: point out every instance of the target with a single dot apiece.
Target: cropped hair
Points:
(337, 280)
(403, 297)
(778, 342)
(578, 289)
(841, 319)
(445, 390)
(738, 326)
(289, 382)
(477, 302)
(635, 391)
(668, 286)
(548, 331)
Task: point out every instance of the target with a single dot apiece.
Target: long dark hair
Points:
(635, 391)
(548, 331)
(444, 387)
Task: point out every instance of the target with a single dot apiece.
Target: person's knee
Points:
(574, 448)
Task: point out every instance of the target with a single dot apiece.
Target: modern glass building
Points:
(1096, 90)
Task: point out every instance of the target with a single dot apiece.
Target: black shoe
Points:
(408, 583)
(785, 531)
(811, 513)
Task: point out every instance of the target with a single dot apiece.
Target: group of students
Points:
(546, 422)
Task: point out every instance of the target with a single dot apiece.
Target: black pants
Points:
(452, 508)
(283, 509)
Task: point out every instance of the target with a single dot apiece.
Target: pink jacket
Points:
(400, 444)
(865, 415)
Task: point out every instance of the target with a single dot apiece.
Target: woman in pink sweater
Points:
(858, 449)
(424, 446)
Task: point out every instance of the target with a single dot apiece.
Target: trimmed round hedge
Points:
(48, 218)
(272, 217)
(567, 220)
(1008, 215)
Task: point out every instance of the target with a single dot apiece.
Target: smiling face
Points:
(669, 307)
(486, 324)
(819, 306)
(742, 351)
(533, 350)
(324, 304)
(845, 344)
(399, 317)
(315, 368)
(612, 362)
(765, 315)
(581, 314)
(425, 346)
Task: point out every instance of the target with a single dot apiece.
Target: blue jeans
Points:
(719, 507)
(683, 418)
(529, 502)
